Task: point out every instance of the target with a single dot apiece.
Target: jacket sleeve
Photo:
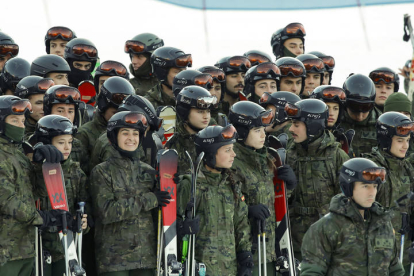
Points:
(184, 194)
(396, 268)
(241, 225)
(341, 158)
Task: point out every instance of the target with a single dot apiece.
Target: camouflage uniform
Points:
(343, 243)
(316, 169)
(224, 107)
(158, 97)
(218, 117)
(122, 199)
(399, 182)
(80, 154)
(140, 83)
(224, 227)
(365, 133)
(90, 132)
(255, 170)
(17, 206)
(29, 128)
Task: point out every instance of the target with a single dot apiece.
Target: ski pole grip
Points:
(64, 223)
(81, 205)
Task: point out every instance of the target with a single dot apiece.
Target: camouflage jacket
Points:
(158, 97)
(80, 154)
(255, 170)
(18, 213)
(142, 84)
(218, 117)
(29, 128)
(224, 107)
(365, 133)
(90, 132)
(122, 198)
(399, 182)
(343, 243)
(224, 226)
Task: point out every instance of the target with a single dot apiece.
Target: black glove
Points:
(46, 152)
(54, 218)
(162, 197)
(188, 226)
(245, 261)
(259, 211)
(176, 178)
(286, 174)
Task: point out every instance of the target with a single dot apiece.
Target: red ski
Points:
(87, 91)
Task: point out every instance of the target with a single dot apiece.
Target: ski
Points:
(55, 185)
(87, 91)
(169, 115)
(409, 35)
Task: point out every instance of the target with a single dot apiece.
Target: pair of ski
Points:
(55, 185)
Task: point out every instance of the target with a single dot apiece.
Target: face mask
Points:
(287, 53)
(14, 133)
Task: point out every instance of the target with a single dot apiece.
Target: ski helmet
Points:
(46, 64)
(14, 70)
(328, 61)
(81, 49)
(32, 85)
(50, 126)
(113, 92)
(109, 68)
(360, 169)
(140, 104)
(126, 119)
(385, 75)
(145, 43)
(210, 139)
(360, 93)
(331, 94)
(165, 58)
(191, 77)
(245, 115)
(313, 112)
(234, 64)
(56, 32)
(392, 124)
(12, 105)
(313, 64)
(62, 94)
(218, 75)
(291, 67)
(293, 30)
(256, 57)
(8, 46)
(279, 100)
(266, 70)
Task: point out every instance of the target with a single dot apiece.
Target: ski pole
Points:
(159, 250)
(37, 251)
(65, 241)
(404, 224)
(264, 249)
(259, 248)
(80, 212)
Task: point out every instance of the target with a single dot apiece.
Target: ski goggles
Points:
(295, 28)
(21, 106)
(184, 61)
(265, 119)
(67, 93)
(136, 119)
(331, 93)
(266, 98)
(257, 58)
(207, 102)
(62, 32)
(314, 64)
(229, 132)
(44, 84)
(82, 49)
(291, 69)
(328, 61)
(9, 49)
(358, 107)
(217, 74)
(268, 68)
(372, 174)
(204, 80)
(377, 76)
(109, 66)
(239, 61)
(137, 47)
(404, 130)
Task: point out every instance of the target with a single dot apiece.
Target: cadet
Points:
(316, 159)
(106, 70)
(223, 240)
(386, 82)
(51, 66)
(56, 39)
(289, 41)
(292, 75)
(259, 79)
(123, 197)
(8, 49)
(329, 66)
(14, 70)
(315, 71)
(356, 237)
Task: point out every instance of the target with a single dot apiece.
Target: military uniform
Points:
(224, 107)
(158, 97)
(218, 117)
(122, 197)
(140, 83)
(30, 126)
(316, 169)
(343, 243)
(224, 227)
(90, 132)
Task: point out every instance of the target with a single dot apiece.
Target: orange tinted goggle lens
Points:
(330, 61)
(63, 32)
(264, 98)
(64, 93)
(265, 68)
(21, 106)
(135, 118)
(229, 132)
(296, 70)
(118, 98)
(373, 174)
(238, 61)
(107, 66)
(134, 46)
(382, 76)
(313, 63)
(404, 130)
(9, 49)
(291, 110)
(45, 84)
(294, 28)
(81, 49)
(203, 79)
(257, 58)
(184, 61)
(332, 92)
(268, 118)
(217, 74)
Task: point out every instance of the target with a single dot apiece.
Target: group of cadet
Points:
(348, 156)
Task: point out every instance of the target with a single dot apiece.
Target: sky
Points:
(210, 35)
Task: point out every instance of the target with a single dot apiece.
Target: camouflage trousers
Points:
(17, 268)
(135, 272)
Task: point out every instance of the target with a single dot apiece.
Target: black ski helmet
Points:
(81, 49)
(32, 85)
(113, 92)
(331, 94)
(360, 93)
(279, 100)
(392, 124)
(218, 75)
(245, 115)
(263, 71)
(50, 126)
(386, 75)
(56, 32)
(140, 104)
(210, 139)
(164, 58)
(293, 30)
(46, 64)
(109, 68)
(145, 43)
(256, 57)
(329, 62)
(62, 94)
(360, 169)
(126, 119)
(191, 77)
(14, 70)
(313, 112)
(12, 105)
(291, 67)
(234, 64)
(8, 46)
(313, 64)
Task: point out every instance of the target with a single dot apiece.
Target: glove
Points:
(162, 198)
(46, 152)
(286, 174)
(176, 178)
(245, 261)
(188, 226)
(259, 211)
(53, 218)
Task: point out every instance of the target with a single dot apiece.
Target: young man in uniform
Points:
(56, 39)
(8, 49)
(292, 75)
(51, 66)
(289, 41)
(386, 82)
